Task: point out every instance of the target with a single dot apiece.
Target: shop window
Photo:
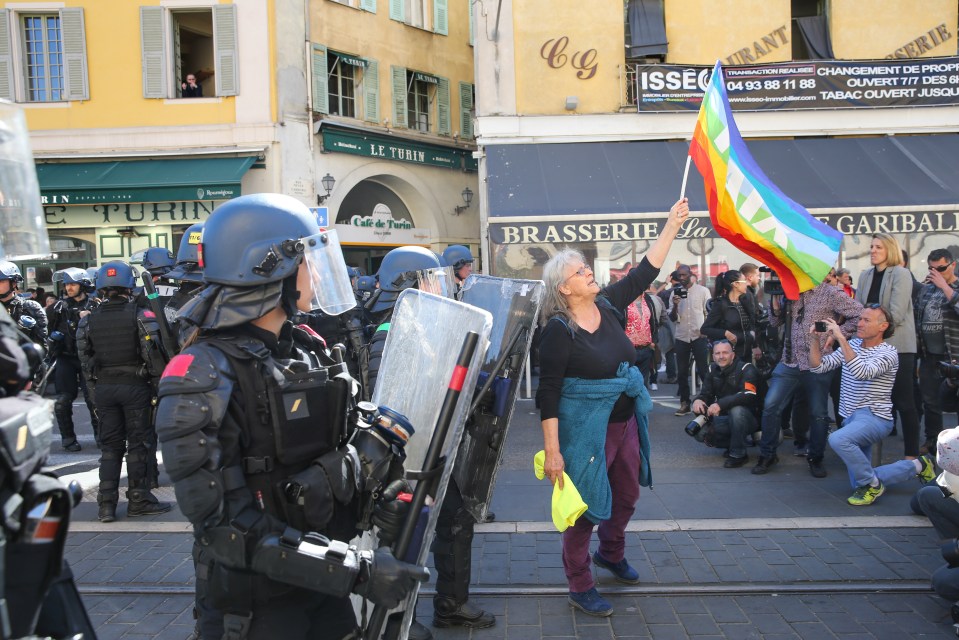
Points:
(189, 41)
(424, 14)
(344, 85)
(43, 59)
(810, 27)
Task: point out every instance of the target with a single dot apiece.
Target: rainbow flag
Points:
(747, 209)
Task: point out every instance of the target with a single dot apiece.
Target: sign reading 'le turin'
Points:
(389, 148)
(649, 228)
(816, 84)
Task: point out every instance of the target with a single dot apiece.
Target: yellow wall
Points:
(116, 79)
(702, 31)
(390, 42)
(595, 36)
(864, 29)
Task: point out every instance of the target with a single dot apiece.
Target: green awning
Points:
(142, 180)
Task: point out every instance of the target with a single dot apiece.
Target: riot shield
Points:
(23, 233)
(514, 305)
(419, 361)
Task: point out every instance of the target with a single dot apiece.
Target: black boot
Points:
(108, 506)
(144, 503)
(419, 632)
(447, 613)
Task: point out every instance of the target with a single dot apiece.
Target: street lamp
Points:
(467, 198)
(327, 181)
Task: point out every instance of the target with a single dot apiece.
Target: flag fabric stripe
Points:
(748, 209)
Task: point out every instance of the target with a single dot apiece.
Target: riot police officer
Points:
(119, 351)
(460, 258)
(64, 316)
(253, 440)
(186, 271)
(452, 543)
(28, 314)
(159, 261)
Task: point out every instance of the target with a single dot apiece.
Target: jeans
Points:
(683, 350)
(929, 383)
(730, 430)
(783, 385)
(622, 467)
(853, 444)
(942, 512)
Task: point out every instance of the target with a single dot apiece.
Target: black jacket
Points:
(723, 316)
(733, 386)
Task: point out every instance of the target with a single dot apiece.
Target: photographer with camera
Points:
(937, 321)
(727, 404)
(687, 308)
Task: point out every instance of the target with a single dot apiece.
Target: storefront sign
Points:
(386, 235)
(816, 84)
(760, 48)
(99, 215)
(554, 53)
(647, 227)
(926, 42)
(388, 148)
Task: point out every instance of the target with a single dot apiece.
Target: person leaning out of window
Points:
(190, 88)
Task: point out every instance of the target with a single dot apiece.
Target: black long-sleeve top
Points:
(593, 356)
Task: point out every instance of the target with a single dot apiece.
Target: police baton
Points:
(433, 454)
(166, 336)
(42, 385)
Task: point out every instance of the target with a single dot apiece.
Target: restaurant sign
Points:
(391, 148)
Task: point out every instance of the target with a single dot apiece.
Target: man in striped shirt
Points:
(869, 365)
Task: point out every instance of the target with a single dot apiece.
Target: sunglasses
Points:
(943, 268)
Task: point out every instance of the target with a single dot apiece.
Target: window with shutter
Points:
(224, 34)
(371, 92)
(153, 55)
(440, 17)
(398, 10)
(466, 110)
(368, 5)
(398, 78)
(443, 107)
(6, 57)
(319, 73)
(74, 54)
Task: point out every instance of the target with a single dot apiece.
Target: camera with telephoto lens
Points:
(680, 292)
(772, 286)
(948, 370)
(695, 427)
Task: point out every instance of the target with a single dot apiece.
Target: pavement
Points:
(721, 553)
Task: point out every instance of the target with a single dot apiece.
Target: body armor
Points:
(113, 330)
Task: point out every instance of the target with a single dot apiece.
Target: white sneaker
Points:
(653, 386)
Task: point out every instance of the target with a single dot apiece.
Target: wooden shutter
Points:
(399, 96)
(466, 105)
(319, 71)
(368, 5)
(440, 17)
(153, 52)
(74, 54)
(443, 107)
(398, 10)
(6, 57)
(371, 91)
(225, 53)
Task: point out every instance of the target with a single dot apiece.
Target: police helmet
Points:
(157, 260)
(116, 274)
(10, 271)
(187, 267)
(398, 271)
(366, 284)
(73, 275)
(92, 274)
(456, 255)
(353, 272)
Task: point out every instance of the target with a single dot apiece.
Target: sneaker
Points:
(866, 495)
(735, 463)
(683, 409)
(928, 472)
(817, 469)
(73, 447)
(653, 386)
(764, 464)
(623, 572)
(800, 451)
(590, 603)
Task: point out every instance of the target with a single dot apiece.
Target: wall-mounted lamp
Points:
(128, 232)
(467, 198)
(327, 181)
(571, 103)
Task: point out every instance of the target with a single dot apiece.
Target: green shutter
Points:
(466, 105)
(6, 57)
(368, 5)
(225, 53)
(443, 107)
(398, 10)
(320, 77)
(399, 96)
(153, 52)
(74, 54)
(440, 17)
(469, 8)
(371, 91)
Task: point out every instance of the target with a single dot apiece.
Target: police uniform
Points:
(119, 351)
(18, 307)
(253, 430)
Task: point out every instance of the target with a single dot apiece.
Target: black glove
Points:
(385, 581)
(389, 514)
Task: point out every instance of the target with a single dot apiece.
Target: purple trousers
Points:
(622, 467)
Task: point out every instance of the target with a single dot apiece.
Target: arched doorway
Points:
(67, 252)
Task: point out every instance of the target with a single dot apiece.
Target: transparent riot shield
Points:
(23, 232)
(424, 342)
(514, 305)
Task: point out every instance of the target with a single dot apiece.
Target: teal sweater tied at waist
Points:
(584, 410)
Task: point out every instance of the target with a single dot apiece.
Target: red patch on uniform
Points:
(111, 272)
(149, 314)
(750, 387)
(178, 366)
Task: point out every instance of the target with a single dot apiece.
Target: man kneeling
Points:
(728, 401)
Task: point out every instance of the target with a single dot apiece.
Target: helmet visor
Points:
(439, 281)
(332, 290)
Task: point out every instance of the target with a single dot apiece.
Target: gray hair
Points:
(554, 275)
(842, 272)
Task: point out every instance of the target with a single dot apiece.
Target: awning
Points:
(142, 180)
(601, 183)
(346, 58)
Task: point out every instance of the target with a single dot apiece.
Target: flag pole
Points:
(682, 191)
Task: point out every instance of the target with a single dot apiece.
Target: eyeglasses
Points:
(943, 268)
(580, 272)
